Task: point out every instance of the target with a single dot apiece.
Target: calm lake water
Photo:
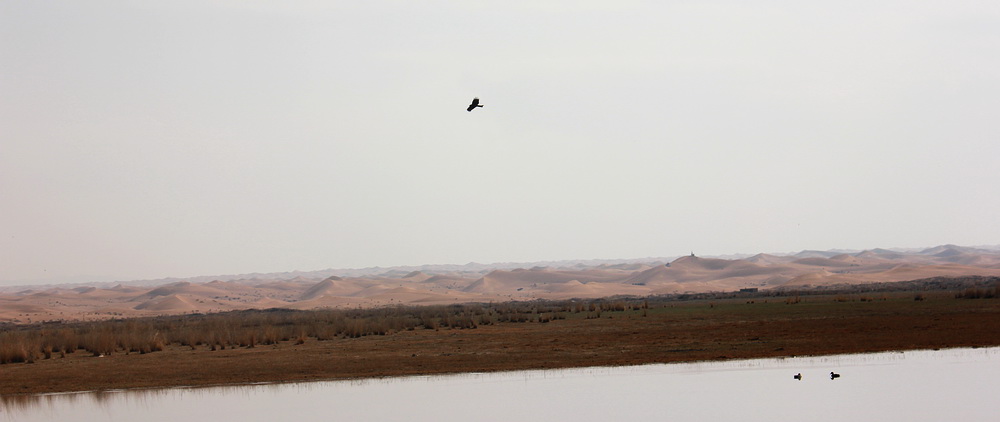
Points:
(946, 385)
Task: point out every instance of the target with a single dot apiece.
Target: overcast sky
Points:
(145, 139)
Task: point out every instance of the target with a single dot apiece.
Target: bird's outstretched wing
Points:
(475, 103)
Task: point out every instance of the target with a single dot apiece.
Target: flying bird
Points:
(475, 103)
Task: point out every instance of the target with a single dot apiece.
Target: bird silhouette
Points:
(834, 375)
(798, 376)
(475, 103)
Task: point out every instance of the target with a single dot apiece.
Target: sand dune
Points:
(908, 272)
(577, 289)
(484, 285)
(821, 278)
(501, 281)
(23, 307)
(182, 287)
(326, 302)
(700, 270)
(322, 288)
(127, 289)
(631, 267)
(688, 274)
(816, 254)
(838, 261)
(331, 287)
(418, 296)
(654, 276)
(416, 276)
(449, 281)
(171, 304)
(765, 259)
(269, 303)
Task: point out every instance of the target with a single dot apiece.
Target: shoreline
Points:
(682, 333)
(459, 374)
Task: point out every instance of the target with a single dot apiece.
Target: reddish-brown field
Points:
(677, 332)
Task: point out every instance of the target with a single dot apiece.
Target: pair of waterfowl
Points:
(833, 375)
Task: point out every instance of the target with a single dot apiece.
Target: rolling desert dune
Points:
(435, 285)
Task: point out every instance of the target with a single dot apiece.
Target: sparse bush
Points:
(979, 293)
(14, 348)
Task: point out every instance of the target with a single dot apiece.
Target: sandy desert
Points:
(444, 284)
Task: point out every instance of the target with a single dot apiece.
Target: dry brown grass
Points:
(25, 343)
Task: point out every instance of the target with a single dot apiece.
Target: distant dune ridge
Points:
(451, 284)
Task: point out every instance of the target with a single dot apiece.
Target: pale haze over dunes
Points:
(437, 284)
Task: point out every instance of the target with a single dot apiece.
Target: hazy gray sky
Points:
(145, 139)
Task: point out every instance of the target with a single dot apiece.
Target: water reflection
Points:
(917, 385)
